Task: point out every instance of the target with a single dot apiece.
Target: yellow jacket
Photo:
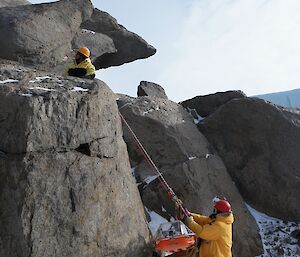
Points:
(216, 234)
(84, 65)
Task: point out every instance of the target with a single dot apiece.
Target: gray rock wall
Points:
(260, 145)
(47, 35)
(190, 166)
(41, 34)
(66, 187)
(5, 3)
(129, 45)
(208, 104)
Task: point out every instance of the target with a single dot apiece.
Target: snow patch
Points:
(196, 116)
(192, 157)
(156, 221)
(149, 179)
(39, 79)
(28, 95)
(276, 235)
(42, 88)
(9, 81)
(79, 89)
(88, 31)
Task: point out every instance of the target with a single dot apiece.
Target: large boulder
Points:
(207, 104)
(5, 3)
(46, 35)
(260, 145)
(41, 34)
(129, 45)
(66, 187)
(151, 89)
(190, 166)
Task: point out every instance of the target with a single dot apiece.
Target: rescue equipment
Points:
(173, 237)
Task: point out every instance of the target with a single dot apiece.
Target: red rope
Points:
(146, 156)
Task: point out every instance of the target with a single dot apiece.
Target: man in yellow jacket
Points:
(215, 230)
(82, 66)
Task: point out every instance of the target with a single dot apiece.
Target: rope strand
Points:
(162, 180)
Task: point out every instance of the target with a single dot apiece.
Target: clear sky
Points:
(207, 46)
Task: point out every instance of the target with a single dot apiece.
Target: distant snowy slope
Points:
(290, 99)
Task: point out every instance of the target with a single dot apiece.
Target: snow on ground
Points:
(155, 222)
(42, 88)
(28, 95)
(39, 79)
(149, 179)
(79, 89)
(196, 116)
(88, 31)
(8, 81)
(277, 235)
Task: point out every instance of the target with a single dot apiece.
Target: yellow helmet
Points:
(85, 51)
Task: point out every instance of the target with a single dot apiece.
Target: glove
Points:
(180, 214)
(187, 220)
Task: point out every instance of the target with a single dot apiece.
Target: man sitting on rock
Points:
(82, 66)
(215, 231)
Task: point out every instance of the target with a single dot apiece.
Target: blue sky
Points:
(207, 46)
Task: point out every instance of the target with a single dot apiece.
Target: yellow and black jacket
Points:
(85, 69)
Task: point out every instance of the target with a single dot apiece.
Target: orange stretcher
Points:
(173, 237)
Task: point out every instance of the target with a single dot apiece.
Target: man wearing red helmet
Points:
(214, 230)
(82, 66)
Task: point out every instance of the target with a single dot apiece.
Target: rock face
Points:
(66, 188)
(129, 45)
(41, 34)
(260, 145)
(5, 3)
(206, 105)
(151, 89)
(98, 43)
(188, 163)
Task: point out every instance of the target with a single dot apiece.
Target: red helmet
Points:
(223, 206)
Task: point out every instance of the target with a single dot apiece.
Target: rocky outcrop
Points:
(129, 45)
(260, 145)
(188, 163)
(41, 34)
(207, 104)
(151, 89)
(5, 3)
(66, 188)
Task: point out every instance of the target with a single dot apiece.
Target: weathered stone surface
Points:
(151, 89)
(66, 187)
(188, 163)
(56, 114)
(5, 3)
(129, 46)
(207, 104)
(260, 145)
(41, 34)
(98, 43)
